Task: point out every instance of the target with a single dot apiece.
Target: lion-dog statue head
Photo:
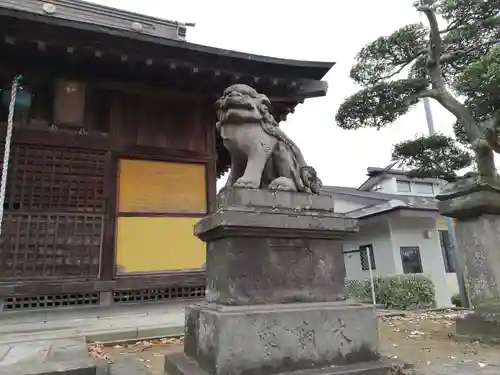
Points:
(247, 127)
(241, 104)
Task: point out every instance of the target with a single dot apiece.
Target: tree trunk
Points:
(485, 159)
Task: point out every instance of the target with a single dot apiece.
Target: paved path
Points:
(54, 341)
(100, 324)
(469, 367)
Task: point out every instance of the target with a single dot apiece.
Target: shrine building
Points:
(114, 154)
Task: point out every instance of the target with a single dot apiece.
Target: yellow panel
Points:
(441, 224)
(153, 244)
(162, 187)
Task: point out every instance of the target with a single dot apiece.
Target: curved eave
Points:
(314, 70)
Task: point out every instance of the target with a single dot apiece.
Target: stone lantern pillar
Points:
(475, 206)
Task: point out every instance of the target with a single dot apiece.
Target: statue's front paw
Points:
(246, 184)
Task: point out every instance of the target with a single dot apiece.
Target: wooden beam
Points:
(31, 288)
(112, 46)
(44, 137)
(312, 89)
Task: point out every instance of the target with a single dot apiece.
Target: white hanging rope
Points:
(8, 138)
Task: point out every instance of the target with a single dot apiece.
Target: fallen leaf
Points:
(481, 365)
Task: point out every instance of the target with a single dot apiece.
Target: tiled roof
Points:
(378, 203)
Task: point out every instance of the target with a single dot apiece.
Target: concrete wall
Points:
(422, 232)
(387, 235)
(451, 278)
(378, 236)
(388, 185)
(452, 283)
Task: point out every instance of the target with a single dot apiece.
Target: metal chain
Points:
(8, 138)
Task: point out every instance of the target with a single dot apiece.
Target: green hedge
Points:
(456, 300)
(403, 292)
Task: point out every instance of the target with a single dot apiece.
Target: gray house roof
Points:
(375, 171)
(378, 203)
(376, 174)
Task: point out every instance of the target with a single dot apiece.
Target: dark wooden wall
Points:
(155, 122)
(60, 211)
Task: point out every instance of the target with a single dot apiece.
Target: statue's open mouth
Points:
(239, 115)
(236, 102)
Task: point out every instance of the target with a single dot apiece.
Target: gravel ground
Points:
(428, 341)
(425, 339)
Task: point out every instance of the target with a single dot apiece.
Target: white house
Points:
(401, 228)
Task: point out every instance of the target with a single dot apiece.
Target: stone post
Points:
(475, 205)
(275, 292)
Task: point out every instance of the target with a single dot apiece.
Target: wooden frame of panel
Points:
(178, 277)
(132, 209)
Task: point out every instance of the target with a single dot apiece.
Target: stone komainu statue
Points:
(262, 156)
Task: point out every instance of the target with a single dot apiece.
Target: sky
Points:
(315, 30)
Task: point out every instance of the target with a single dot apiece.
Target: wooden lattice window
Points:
(55, 180)
(54, 213)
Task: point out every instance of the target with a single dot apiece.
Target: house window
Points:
(363, 257)
(424, 188)
(447, 250)
(410, 257)
(403, 186)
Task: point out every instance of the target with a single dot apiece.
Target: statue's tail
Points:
(297, 174)
(293, 147)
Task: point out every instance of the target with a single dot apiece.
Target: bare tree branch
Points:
(451, 27)
(400, 69)
(449, 57)
(431, 93)
(491, 131)
(444, 97)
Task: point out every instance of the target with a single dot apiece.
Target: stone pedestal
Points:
(275, 292)
(475, 206)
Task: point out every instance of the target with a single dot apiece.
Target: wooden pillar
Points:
(108, 245)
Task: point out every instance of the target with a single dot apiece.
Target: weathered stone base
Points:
(271, 339)
(181, 364)
(477, 323)
(274, 247)
(479, 326)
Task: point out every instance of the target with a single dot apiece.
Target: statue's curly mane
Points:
(271, 127)
(267, 116)
(259, 109)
